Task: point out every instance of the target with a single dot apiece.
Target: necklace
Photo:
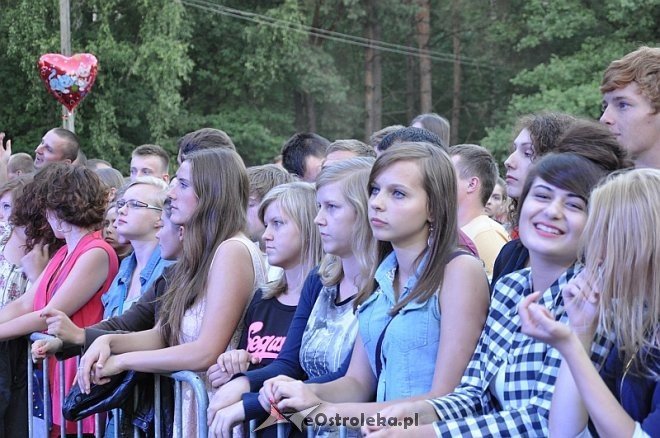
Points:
(625, 372)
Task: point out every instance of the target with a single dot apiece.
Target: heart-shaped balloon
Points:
(68, 78)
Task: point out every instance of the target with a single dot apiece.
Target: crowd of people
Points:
(399, 282)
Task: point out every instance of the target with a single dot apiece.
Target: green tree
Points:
(574, 42)
(142, 51)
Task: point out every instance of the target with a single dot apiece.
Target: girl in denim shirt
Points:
(421, 316)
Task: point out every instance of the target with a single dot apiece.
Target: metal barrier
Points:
(179, 377)
(281, 430)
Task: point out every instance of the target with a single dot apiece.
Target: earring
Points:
(59, 226)
(429, 241)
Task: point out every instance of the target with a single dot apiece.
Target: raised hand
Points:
(539, 323)
(5, 149)
(582, 301)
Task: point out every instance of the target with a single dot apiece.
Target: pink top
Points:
(56, 272)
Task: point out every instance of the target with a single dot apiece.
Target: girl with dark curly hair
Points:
(73, 281)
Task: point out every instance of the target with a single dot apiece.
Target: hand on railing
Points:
(97, 354)
(60, 325)
(230, 363)
(267, 391)
(225, 419)
(43, 348)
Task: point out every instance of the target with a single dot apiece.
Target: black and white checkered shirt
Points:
(530, 368)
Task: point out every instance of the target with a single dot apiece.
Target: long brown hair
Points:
(439, 181)
(220, 182)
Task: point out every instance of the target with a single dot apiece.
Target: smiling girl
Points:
(616, 293)
(544, 134)
(507, 387)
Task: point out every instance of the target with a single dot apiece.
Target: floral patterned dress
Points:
(13, 281)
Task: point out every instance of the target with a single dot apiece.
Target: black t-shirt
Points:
(265, 328)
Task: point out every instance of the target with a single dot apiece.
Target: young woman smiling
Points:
(507, 387)
(617, 294)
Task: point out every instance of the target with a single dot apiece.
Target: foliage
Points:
(168, 67)
(578, 40)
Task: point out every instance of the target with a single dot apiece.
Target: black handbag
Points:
(102, 398)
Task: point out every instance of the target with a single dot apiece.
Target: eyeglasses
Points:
(134, 204)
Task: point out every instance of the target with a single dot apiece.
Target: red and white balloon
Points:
(68, 78)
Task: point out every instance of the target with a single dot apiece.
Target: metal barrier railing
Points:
(179, 377)
(282, 430)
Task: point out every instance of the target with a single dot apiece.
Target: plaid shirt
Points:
(530, 373)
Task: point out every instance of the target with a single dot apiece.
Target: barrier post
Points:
(189, 377)
(30, 388)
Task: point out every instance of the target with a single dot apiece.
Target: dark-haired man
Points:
(303, 155)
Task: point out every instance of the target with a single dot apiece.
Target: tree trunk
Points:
(310, 109)
(299, 107)
(373, 100)
(423, 26)
(410, 75)
(456, 96)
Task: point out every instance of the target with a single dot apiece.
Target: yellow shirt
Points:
(489, 237)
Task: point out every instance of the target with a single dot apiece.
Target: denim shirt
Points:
(410, 344)
(114, 299)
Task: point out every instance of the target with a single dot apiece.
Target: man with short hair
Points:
(378, 136)
(57, 145)
(409, 134)
(262, 179)
(344, 149)
(476, 172)
(97, 164)
(631, 100)
(303, 155)
(19, 164)
(205, 138)
(150, 160)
